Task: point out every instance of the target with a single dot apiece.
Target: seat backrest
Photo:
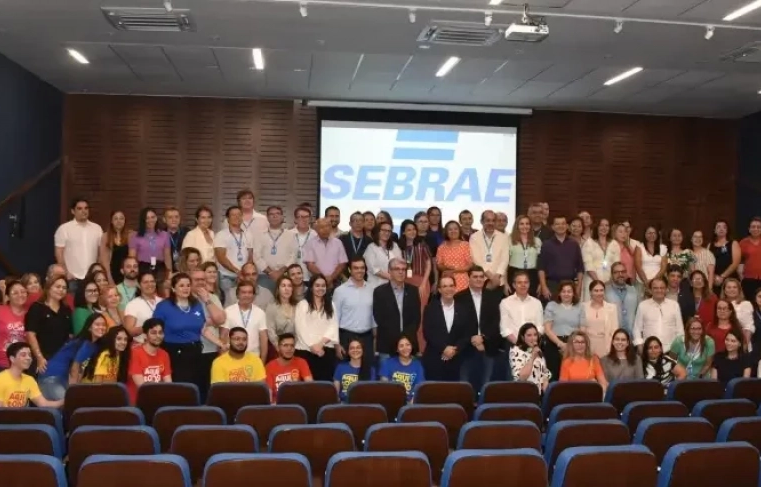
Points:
(309, 395)
(621, 393)
(268, 470)
(123, 416)
(168, 418)
(440, 392)
(134, 470)
(744, 388)
(151, 396)
(24, 439)
(710, 464)
(565, 434)
(508, 392)
(317, 442)
(429, 438)
(264, 418)
(718, 410)
(452, 416)
(510, 412)
(197, 444)
(390, 395)
(567, 412)
(358, 417)
(231, 396)
(35, 470)
(741, 429)
(635, 412)
(379, 469)
(581, 392)
(32, 415)
(629, 465)
(522, 467)
(109, 440)
(494, 435)
(660, 434)
(109, 395)
(689, 392)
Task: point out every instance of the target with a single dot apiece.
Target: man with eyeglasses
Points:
(623, 295)
(301, 234)
(355, 241)
(396, 310)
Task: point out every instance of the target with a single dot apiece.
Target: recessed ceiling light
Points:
(623, 76)
(742, 11)
(495, 2)
(78, 56)
(447, 66)
(258, 59)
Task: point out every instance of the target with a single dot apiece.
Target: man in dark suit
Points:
(447, 328)
(481, 306)
(396, 310)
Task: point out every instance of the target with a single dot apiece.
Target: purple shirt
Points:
(560, 260)
(150, 245)
(325, 254)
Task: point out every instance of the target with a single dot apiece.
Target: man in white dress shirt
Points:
(232, 249)
(658, 316)
(77, 242)
(274, 249)
(490, 250)
(250, 219)
(301, 234)
(518, 309)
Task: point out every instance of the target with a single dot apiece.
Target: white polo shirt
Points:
(80, 243)
(254, 320)
(236, 248)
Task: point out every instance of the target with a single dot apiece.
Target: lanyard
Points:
(274, 239)
(151, 241)
(358, 246)
(245, 318)
(126, 294)
(408, 253)
(697, 305)
(152, 307)
(174, 240)
(525, 254)
(298, 240)
(238, 244)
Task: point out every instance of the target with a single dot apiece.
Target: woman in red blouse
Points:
(726, 319)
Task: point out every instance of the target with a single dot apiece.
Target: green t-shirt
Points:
(78, 319)
(694, 361)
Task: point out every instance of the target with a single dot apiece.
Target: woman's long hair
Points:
(365, 370)
(327, 304)
(569, 353)
(107, 344)
(80, 298)
(521, 341)
(111, 232)
(49, 284)
(658, 364)
(631, 350)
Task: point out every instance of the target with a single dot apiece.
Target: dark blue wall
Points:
(31, 117)
(748, 173)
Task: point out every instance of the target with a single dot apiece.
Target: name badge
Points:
(273, 251)
(298, 254)
(240, 257)
(488, 258)
(409, 273)
(605, 264)
(153, 261)
(175, 256)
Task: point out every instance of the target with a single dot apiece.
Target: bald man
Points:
(325, 254)
(490, 250)
(501, 223)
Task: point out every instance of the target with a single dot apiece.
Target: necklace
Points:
(184, 309)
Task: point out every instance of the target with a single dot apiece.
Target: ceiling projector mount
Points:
(531, 29)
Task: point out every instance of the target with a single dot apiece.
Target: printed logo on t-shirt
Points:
(152, 373)
(241, 374)
(292, 376)
(404, 378)
(17, 399)
(347, 380)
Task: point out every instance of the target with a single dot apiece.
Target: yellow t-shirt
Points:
(17, 393)
(107, 367)
(247, 369)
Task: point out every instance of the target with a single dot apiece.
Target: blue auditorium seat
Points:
(34, 415)
(690, 392)
(494, 435)
(566, 434)
(622, 392)
(100, 416)
(30, 438)
(744, 388)
(522, 467)
(591, 411)
(36, 470)
(379, 469)
(660, 434)
(429, 438)
(142, 430)
(508, 392)
(587, 465)
(575, 392)
(112, 470)
(741, 429)
(509, 412)
(710, 464)
(718, 410)
(224, 469)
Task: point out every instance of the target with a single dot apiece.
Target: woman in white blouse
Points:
(651, 256)
(704, 258)
(317, 330)
(526, 360)
(599, 253)
(732, 291)
(202, 236)
(379, 253)
(601, 319)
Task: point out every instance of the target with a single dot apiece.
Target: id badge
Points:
(409, 273)
(240, 257)
(605, 264)
(153, 261)
(298, 254)
(176, 256)
(488, 258)
(273, 251)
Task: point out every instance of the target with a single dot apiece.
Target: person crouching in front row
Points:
(238, 365)
(18, 388)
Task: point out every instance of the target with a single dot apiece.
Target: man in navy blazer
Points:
(396, 310)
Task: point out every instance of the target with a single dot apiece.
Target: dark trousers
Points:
(207, 359)
(437, 369)
(366, 339)
(158, 271)
(322, 368)
(187, 363)
(477, 368)
(750, 286)
(554, 357)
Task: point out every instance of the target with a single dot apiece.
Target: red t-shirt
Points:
(153, 368)
(296, 370)
(11, 331)
(751, 258)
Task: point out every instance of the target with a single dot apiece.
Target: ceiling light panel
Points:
(623, 76)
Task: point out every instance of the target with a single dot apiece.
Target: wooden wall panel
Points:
(192, 151)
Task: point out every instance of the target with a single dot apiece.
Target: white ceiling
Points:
(342, 52)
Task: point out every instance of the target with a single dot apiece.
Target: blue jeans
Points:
(53, 388)
(227, 285)
(267, 283)
(477, 368)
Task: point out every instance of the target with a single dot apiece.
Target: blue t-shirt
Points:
(347, 375)
(408, 375)
(73, 351)
(180, 326)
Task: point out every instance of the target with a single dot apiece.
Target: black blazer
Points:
(386, 316)
(490, 318)
(437, 338)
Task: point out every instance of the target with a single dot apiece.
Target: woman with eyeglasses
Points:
(86, 302)
(580, 364)
(726, 319)
(695, 350)
(142, 307)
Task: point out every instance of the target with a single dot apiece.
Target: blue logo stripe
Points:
(417, 154)
(440, 136)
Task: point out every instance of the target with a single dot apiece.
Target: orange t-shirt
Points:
(751, 258)
(580, 369)
(153, 368)
(296, 370)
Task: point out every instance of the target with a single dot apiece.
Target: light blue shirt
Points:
(626, 300)
(353, 305)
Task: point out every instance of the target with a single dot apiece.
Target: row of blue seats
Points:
(683, 464)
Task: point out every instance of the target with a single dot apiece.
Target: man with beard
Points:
(238, 365)
(286, 367)
(18, 388)
(149, 362)
(128, 287)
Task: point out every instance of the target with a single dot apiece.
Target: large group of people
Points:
(551, 299)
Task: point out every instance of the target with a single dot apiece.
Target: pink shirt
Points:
(325, 254)
(11, 331)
